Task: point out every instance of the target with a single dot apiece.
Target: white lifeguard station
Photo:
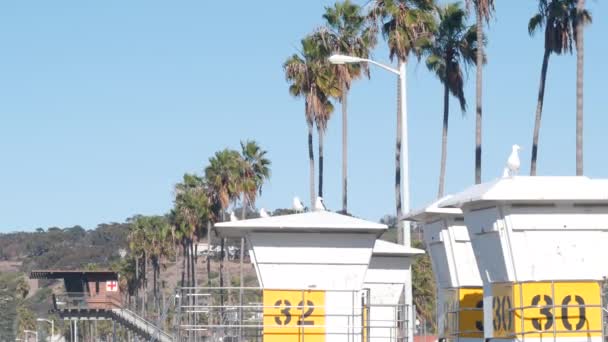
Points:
(389, 270)
(459, 286)
(540, 244)
(311, 267)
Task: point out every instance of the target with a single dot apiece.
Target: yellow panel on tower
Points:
(547, 309)
(294, 316)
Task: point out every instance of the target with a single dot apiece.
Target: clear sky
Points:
(105, 104)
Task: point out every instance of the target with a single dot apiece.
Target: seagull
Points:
(319, 204)
(233, 217)
(513, 162)
(263, 213)
(297, 205)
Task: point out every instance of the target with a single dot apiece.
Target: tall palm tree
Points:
(483, 11)
(307, 74)
(558, 17)
(190, 214)
(136, 240)
(582, 18)
(454, 46)
(406, 26)
(347, 32)
(222, 177)
(256, 170)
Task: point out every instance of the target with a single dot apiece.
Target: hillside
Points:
(99, 248)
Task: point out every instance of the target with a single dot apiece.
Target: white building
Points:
(540, 245)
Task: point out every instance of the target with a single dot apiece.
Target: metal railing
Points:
(215, 314)
(80, 300)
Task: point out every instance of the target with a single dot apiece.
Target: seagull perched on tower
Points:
(263, 213)
(297, 205)
(233, 217)
(319, 204)
(513, 162)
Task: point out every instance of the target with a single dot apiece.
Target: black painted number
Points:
(479, 324)
(581, 312)
(546, 311)
(305, 314)
(285, 317)
(284, 312)
(503, 315)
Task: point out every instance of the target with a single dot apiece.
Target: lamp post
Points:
(25, 332)
(405, 178)
(52, 325)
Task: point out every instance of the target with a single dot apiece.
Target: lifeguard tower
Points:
(390, 268)
(95, 295)
(459, 286)
(540, 245)
(311, 268)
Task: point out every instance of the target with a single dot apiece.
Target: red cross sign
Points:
(111, 286)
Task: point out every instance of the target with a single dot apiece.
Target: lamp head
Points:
(343, 59)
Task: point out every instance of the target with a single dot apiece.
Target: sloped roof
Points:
(526, 188)
(432, 212)
(385, 248)
(59, 274)
(316, 221)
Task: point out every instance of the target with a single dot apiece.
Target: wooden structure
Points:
(93, 289)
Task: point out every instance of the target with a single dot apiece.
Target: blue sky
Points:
(104, 106)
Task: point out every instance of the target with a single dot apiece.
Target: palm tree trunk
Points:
(222, 244)
(580, 59)
(154, 286)
(241, 284)
(311, 165)
(344, 150)
(183, 265)
(137, 284)
(444, 139)
(243, 216)
(145, 269)
(192, 263)
(400, 232)
(208, 253)
(478, 96)
(321, 133)
(539, 111)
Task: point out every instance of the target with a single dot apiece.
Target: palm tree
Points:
(406, 26)
(483, 11)
(190, 214)
(581, 19)
(136, 240)
(222, 177)
(307, 74)
(256, 170)
(347, 33)
(455, 45)
(558, 17)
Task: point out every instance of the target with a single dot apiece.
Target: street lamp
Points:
(25, 332)
(405, 178)
(52, 325)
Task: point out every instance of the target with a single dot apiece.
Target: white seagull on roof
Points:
(513, 162)
(297, 205)
(233, 217)
(319, 204)
(263, 213)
